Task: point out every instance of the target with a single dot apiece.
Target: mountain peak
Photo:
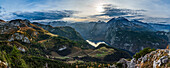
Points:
(118, 19)
(121, 18)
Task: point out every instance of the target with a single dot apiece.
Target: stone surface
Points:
(155, 59)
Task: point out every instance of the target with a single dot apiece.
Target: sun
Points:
(99, 8)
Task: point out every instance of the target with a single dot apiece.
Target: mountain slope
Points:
(29, 40)
(23, 32)
(133, 37)
(105, 53)
(25, 45)
(66, 31)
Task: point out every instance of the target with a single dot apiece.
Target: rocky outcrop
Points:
(155, 59)
(18, 29)
(18, 36)
(7, 28)
(161, 61)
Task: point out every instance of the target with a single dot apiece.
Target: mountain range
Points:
(121, 33)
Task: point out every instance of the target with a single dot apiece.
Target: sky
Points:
(151, 11)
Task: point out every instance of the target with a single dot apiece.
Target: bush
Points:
(119, 65)
(143, 52)
(16, 59)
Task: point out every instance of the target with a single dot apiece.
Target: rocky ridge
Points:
(156, 59)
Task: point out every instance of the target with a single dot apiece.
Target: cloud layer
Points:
(110, 10)
(48, 15)
(91, 10)
(0, 9)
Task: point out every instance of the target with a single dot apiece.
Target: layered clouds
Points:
(111, 11)
(43, 15)
(5, 15)
(48, 15)
(85, 10)
(0, 9)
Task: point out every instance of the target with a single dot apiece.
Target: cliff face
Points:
(156, 59)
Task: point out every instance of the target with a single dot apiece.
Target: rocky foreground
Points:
(156, 59)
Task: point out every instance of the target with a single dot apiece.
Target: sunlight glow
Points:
(99, 8)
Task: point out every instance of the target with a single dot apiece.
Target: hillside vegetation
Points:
(25, 45)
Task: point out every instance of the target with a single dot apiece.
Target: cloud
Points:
(0, 9)
(156, 19)
(90, 9)
(48, 15)
(7, 16)
(110, 10)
